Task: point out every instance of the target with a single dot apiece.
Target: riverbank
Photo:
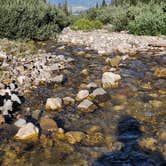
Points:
(106, 42)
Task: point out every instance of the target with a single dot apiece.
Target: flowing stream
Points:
(129, 124)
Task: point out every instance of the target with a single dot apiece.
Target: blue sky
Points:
(83, 3)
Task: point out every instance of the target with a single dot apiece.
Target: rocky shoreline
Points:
(106, 42)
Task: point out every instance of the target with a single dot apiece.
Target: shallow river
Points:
(129, 126)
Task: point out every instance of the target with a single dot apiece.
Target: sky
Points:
(79, 4)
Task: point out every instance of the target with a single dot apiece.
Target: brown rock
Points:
(48, 124)
(74, 137)
(114, 62)
(2, 119)
(68, 101)
(160, 72)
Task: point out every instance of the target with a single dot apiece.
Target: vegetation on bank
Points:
(39, 20)
(86, 24)
(30, 19)
(141, 18)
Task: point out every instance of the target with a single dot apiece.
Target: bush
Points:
(30, 19)
(149, 23)
(85, 25)
(141, 18)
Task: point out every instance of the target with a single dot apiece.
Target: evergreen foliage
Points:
(30, 19)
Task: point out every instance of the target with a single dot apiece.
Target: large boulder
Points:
(110, 80)
(27, 132)
(53, 104)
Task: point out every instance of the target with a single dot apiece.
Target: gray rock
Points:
(82, 95)
(20, 122)
(86, 106)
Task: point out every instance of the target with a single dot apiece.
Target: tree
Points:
(65, 8)
(97, 5)
(104, 4)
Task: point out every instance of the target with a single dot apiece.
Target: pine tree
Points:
(65, 8)
(97, 5)
(104, 4)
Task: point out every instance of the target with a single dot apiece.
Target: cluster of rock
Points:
(30, 71)
(9, 100)
(106, 42)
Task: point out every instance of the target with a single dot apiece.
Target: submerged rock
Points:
(99, 95)
(74, 137)
(48, 124)
(92, 85)
(160, 72)
(82, 95)
(27, 132)
(20, 122)
(53, 104)
(110, 79)
(114, 62)
(68, 101)
(86, 106)
(2, 119)
(99, 92)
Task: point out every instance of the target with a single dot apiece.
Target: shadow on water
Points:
(131, 154)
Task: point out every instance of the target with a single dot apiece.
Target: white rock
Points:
(7, 107)
(110, 79)
(54, 104)
(27, 131)
(98, 92)
(92, 85)
(20, 122)
(82, 95)
(59, 78)
(86, 106)
(15, 98)
(3, 55)
(21, 79)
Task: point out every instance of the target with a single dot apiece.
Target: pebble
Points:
(74, 137)
(82, 95)
(114, 62)
(68, 101)
(20, 122)
(2, 119)
(53, 104)
(98, 92)
(92, 85)
(86, 106)
(160, 72)
(110, 79)
(48, 124)
(27, 132)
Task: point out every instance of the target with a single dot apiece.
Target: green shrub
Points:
(149, 22)
(141, 18)
(85, 25)
(30, 19)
